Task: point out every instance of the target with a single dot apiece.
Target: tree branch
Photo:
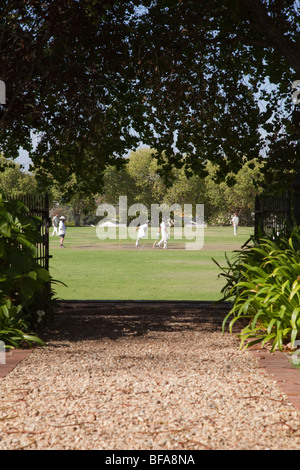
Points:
(265, 25)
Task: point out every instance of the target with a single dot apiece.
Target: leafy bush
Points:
(22, 279)
(13, 327)
(263, 282)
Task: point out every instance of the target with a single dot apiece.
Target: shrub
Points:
(263, 283)
(14, 330)
(22, 279)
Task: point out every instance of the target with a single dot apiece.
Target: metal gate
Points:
(272, 214)
(278, 213)
(39, 205)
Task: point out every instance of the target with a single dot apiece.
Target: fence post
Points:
(257, 218)
(296, 198)
(2, 353)
(46, 240)
(289, 208)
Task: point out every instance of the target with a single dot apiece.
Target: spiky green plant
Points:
(263, 283)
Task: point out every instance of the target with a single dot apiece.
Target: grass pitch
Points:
(114, 269)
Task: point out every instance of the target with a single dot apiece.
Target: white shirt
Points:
(164, 230)
(62, 228)
(142, 230)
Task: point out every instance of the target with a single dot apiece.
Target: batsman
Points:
(163, 231)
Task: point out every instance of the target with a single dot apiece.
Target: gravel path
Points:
(143, 383)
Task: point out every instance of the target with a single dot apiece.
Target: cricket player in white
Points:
(163, 230)
(142, 230)
(235, 223)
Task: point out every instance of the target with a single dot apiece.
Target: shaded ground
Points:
(143, 379)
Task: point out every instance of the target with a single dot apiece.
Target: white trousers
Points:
(164, 241)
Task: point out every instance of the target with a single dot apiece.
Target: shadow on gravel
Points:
(78, 323)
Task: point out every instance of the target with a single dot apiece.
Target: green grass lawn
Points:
(96, 269)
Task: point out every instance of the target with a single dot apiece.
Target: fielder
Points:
(55, 223)
(142, 230)
(163, 231)
(235, 222)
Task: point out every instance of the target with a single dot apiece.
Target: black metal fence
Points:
(273, 214)
(39, 205)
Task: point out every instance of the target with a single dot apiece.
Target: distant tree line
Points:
(141, 182)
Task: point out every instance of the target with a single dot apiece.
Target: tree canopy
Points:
(15, 182)
(141, 182)
(64, 64)
(207, 80)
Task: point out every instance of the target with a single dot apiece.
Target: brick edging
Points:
(278, 365)
(12, 359)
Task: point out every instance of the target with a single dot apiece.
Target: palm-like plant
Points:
(263, 283)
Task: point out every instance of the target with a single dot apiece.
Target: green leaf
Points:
(23, 240)
(32, 275)
(294, 316)
(271, 325)
(5, 230)
(43, 275)
(32, 339)
(294, 336)
(295, 289)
